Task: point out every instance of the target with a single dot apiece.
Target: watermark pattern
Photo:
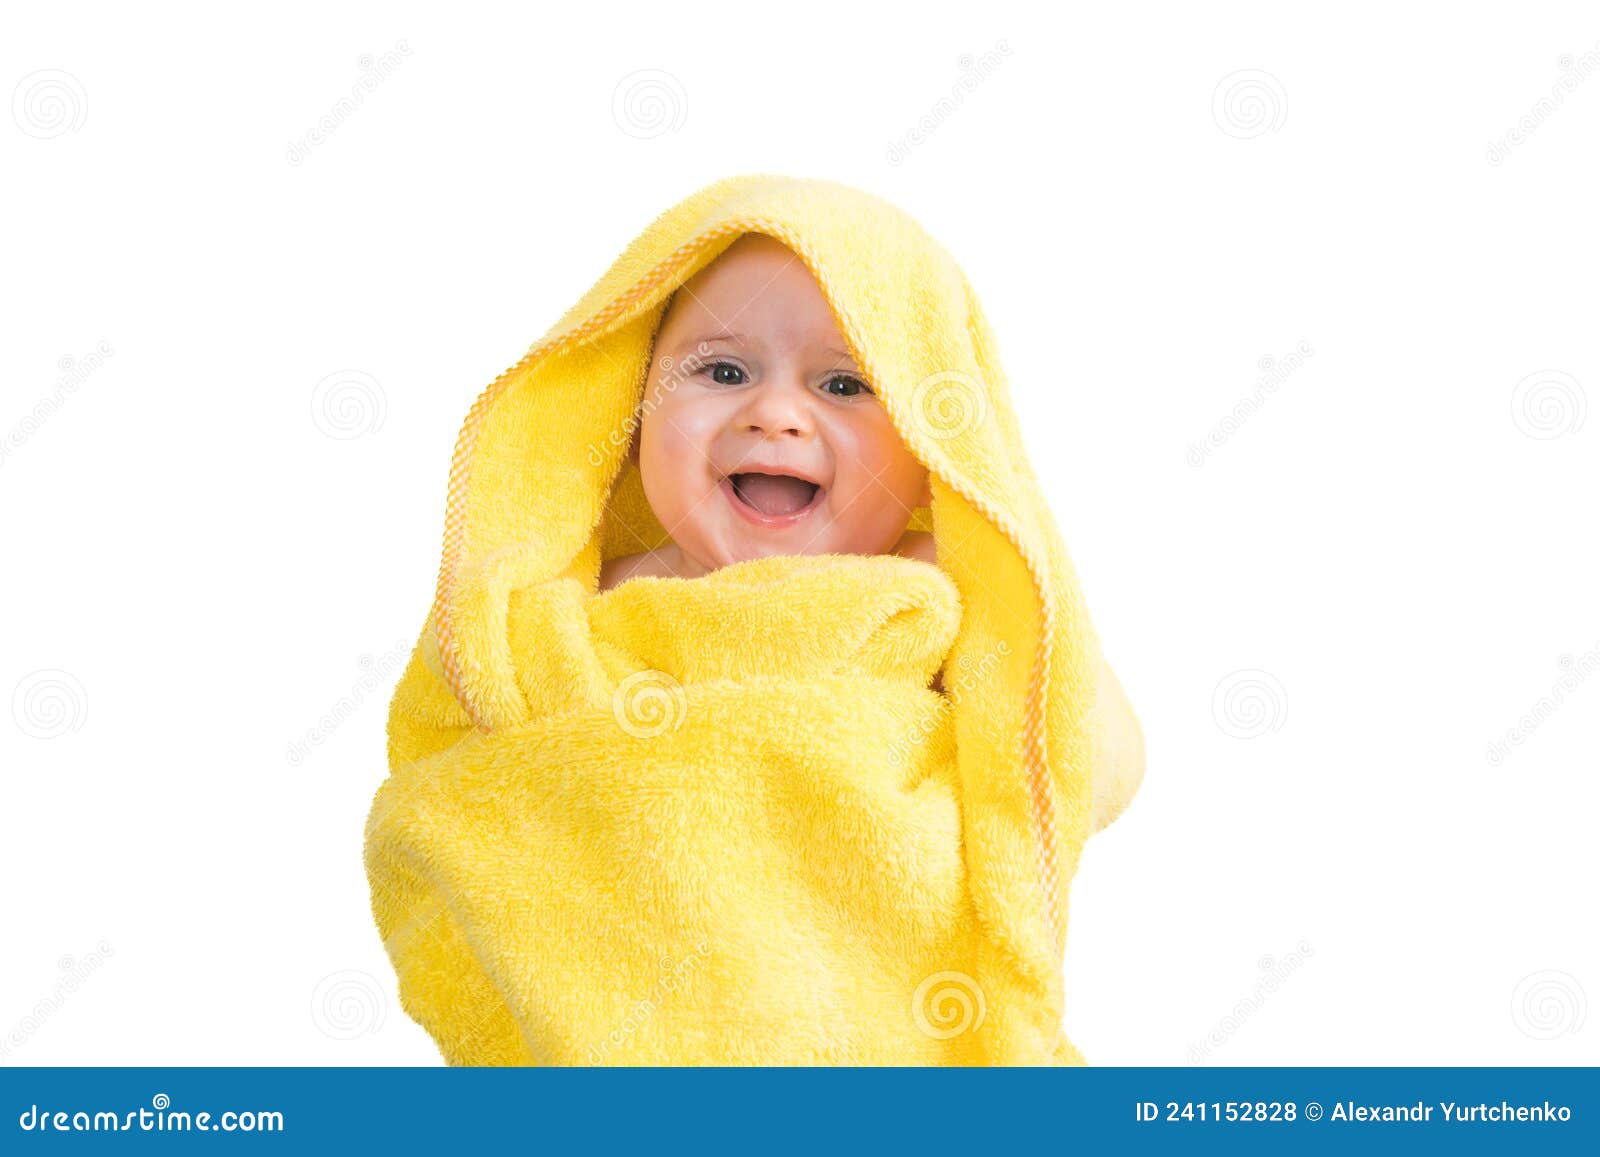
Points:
(74, 973)
(948, 404)
(673, 975)
(649, 103)
(967, 673)
(1274, 973)
(49, 703)
(74, 372)
(1274, 372)
(348, 404)
(947, 1004)
(674, 374)
(49, 103)
(374, 677)
(374, 71)
(649, 703)
(1248, 103)
(1573, 672)
(1549, 1004)
(154, 1119)
(1249, 703)
(974, 71)
(1548, 404)
(1574, 71)
(348, 1004)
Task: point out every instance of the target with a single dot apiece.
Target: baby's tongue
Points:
(775, 493)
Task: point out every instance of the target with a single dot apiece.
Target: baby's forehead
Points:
(754, 256)
(757, 286)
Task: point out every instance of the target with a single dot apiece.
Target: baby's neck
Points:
(668, 561)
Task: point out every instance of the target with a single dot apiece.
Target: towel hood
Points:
(1022, 668)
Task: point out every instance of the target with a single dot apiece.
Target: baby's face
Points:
(766, 439)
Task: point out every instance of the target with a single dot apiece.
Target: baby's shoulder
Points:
(917, 544)
(624, 567)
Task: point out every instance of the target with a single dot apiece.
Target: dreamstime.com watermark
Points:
(1549, 404)
(947, 1004)
(347, 404)
(49, 103)
(74, 972)
(156, 1119)
(1574, 71)
(375, 676)
(671, 977)
(1274, 973)
(1250, 703)
(1573, 673)
(673, 374)
(1249, 103)
(968, 672)
(1274, 372)
(648, 103)
(348, 1004)
(374, 71)
(947, 404)
(649, 703)
(74, 372)
(1549, 1004)
(48, 704)
(974, 71)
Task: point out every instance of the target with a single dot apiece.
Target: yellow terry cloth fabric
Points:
(727, 820)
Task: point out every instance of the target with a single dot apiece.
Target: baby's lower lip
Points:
(769, 521)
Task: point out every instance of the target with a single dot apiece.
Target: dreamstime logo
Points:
(374, 676)
(967, 674)
(1248, 103)
(649, 103)
(74, 372)
(1573, 673)
(48, 704)
(347, 1004)
(1249, 703)
(1274, 372)
(673, 374)
(1574, 71)
(973, 73)
(1548, 404)
(948, 404)
(1274, 973)
(74, 973)
(672, 976)
(1549, 1004)
(374, 71)
(648, 703)
(948, 1004)
(49, 103)
(347, 404)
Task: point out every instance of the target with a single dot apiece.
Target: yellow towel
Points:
(726, 820)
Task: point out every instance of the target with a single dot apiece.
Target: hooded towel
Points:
(727, 820)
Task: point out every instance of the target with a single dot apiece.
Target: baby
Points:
(723, 820)
(763, 437)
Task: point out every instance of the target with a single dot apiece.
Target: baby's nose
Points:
(778, 407)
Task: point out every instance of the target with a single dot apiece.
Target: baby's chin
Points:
(740, 546)
(713, 537)
(745, 549)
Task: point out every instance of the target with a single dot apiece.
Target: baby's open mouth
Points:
(774, 495)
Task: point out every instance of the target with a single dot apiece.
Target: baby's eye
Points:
(714, 368)
(858, 385)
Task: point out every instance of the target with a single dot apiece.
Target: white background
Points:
(1323, 624)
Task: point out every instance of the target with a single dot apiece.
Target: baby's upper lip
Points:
(814, 477)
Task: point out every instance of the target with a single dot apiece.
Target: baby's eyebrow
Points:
(740, 339)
